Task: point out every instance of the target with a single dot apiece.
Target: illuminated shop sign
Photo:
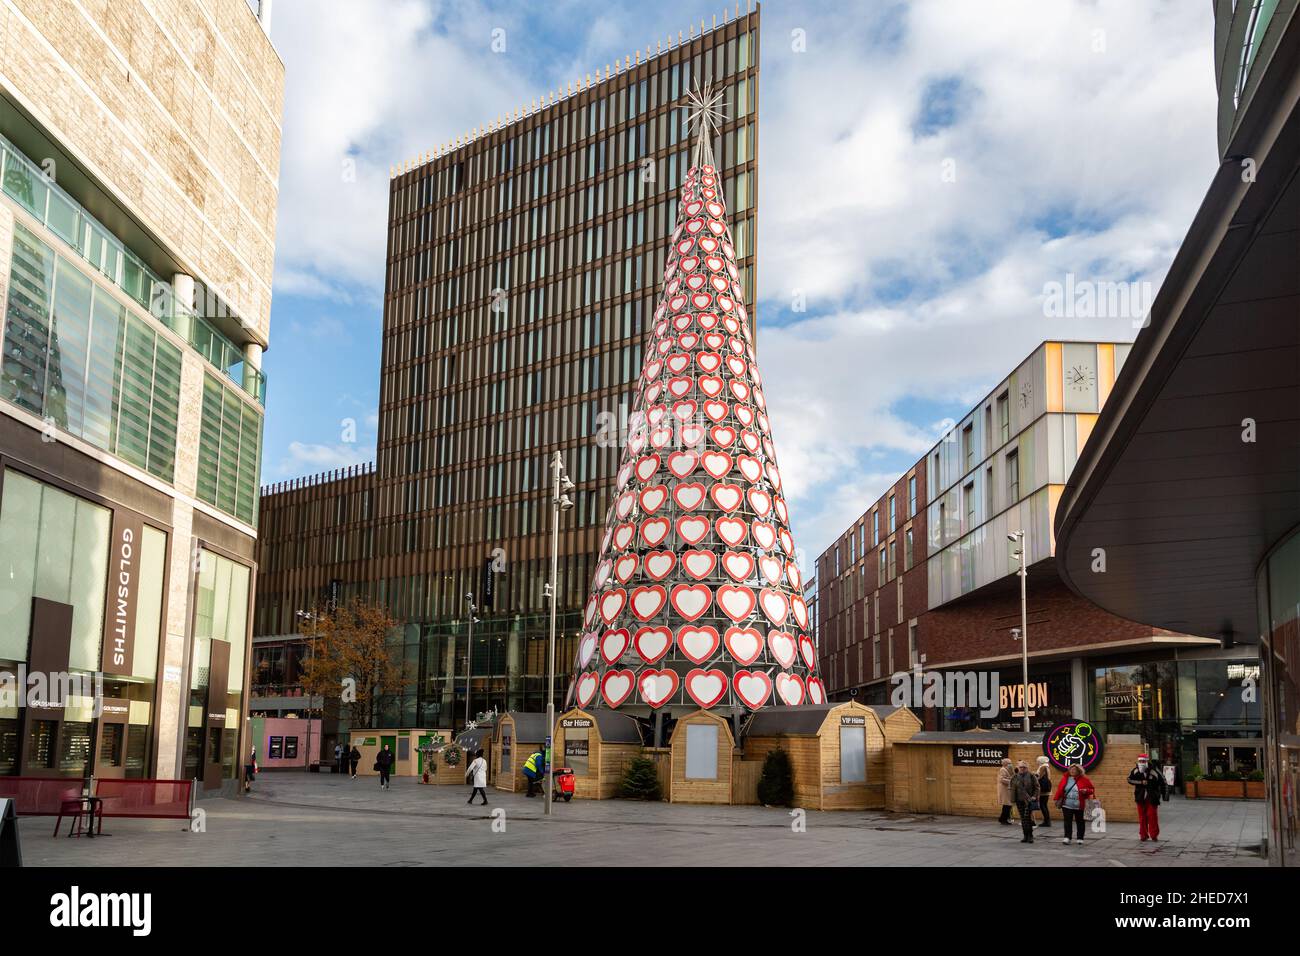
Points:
(1073, 742)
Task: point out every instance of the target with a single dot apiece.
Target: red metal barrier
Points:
(157, 799)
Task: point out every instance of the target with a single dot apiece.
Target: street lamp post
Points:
(1021, 633)
(560, 501)
(309, 616)
(469, 652)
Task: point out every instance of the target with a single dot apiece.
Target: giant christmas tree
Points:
(697, 599)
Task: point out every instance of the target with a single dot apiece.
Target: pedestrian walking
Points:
(1073, 792)
(250, 770)
(1148, 785)
(1044, 790)
(354, 758)
(476, 777)
(1004, 791)
(384, 764)
(340, 761)
(1024, 791)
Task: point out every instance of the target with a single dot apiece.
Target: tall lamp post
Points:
(1021, 633)
(469, 652)
(560, 501)
(309, 616)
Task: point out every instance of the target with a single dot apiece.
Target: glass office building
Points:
(522, 270)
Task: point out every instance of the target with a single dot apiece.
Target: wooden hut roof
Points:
(530, 727)
(804, 719)
(616, 728)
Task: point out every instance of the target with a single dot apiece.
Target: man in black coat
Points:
(354, 758)
(384, 764)
(1148, 785)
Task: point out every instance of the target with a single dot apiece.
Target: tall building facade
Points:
(522, 272)
(139, 158)
(927, 578)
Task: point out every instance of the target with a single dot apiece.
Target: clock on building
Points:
(1079, 373)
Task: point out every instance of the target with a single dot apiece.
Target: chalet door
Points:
(930, 779)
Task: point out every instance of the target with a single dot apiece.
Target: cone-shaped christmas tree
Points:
(697, 599)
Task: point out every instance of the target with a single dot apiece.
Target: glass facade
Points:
(28, 185)
(220, 614)
(74, 356)
(1278, 588)
(56, 546)
(230, 451)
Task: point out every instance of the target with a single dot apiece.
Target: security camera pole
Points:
(309, 616)
(560, 484)
(1021, 633)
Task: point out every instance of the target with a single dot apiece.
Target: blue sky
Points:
(925, 168)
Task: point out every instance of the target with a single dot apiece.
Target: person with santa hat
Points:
(1148, 785)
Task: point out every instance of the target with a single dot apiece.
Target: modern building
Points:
(523, 266)
(139, 157)
(927, 577)
(1190, 482)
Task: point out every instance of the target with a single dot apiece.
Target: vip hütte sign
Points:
(697, 597)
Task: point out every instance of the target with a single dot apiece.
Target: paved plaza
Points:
(325, 820)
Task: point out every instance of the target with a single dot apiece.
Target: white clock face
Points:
(1081, 378)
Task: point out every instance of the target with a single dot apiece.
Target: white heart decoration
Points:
(736, 602)
(789, 687)
(775, 606)
(652, 643)
(688, 496)
(738, 565)
(706, 687)
(613, 644)
(816, 690)
(782, 647)
(615, 686)
(752, 687)
(691, 600)
(658, 564)
(699, 564)
(648, 601)
(744, 644)
(611, 604)
(656, 687)
(624, 568)
(588, 683)
(697, 643)
(586, 649)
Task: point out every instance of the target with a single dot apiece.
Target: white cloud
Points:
(306, 458)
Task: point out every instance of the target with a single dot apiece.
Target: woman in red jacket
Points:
(1072, 795)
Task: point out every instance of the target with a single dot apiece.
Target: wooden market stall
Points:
(957, 773)
(701, 750)
(403, 742)
(596, 745)
(900, 724)
(518, 735)
(471, 741)
(838, 753)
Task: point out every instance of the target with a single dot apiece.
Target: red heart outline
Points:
(673, 681)
(768, 598)
(776, 642)
(808, 652)
(645, 633)
(654, 530)
(612, 596)
(735, 634)
(654, 590)
(621, 637)
(611, 675)
(586, 687)
(689, 495)
(692, 589)
(710, 632)
(784, 680)
(728, 497)
(660, 555)
(697, 674)
(731, 530)
(816, 690)
(738, 680)
(690, 558)
(727, 591)
(698, 522)
(657, 495)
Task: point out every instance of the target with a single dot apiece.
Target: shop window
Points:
(111, 740)
(74, 747)
(702, 751)
(9, 740)
(137, 751)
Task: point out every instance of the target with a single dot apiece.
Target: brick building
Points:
(926, 577)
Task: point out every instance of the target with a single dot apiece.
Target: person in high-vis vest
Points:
(534, 769)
